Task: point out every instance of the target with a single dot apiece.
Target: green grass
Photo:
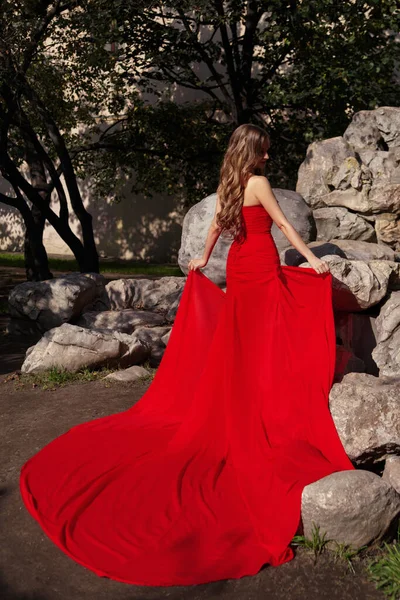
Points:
(384, 570)
(317, 543)
(124, 267)
(56, 378)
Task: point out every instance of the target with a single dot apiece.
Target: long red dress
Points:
(201, 480)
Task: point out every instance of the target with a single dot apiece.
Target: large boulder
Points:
(387, 227)
(322, 158)
(338, 222)
(126, 320)
(357, 173)
(198, 219)
(159, 295)
(351, 249)
(350, 507)
(386, 354)
(47, 304)
(72, 348)
(366, 413)
(356, 284)
(377, 129)
(391, 472)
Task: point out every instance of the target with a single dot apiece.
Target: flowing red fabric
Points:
(201, 480)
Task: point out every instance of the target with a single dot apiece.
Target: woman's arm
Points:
(212, 237)
(261, 188)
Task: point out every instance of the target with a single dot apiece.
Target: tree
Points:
(299, 68)
(56, 74)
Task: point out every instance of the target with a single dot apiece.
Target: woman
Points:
(242, 185)
(201, 480)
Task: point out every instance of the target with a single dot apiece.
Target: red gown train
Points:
(201, 480)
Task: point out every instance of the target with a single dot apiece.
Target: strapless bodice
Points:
(257, 219)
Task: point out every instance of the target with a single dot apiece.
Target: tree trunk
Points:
(36, 259)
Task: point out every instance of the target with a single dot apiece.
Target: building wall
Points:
(137, 228)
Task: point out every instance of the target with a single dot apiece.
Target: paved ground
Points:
(32, 568)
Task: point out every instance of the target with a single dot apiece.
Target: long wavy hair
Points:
(246, 147)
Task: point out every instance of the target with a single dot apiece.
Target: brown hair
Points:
(246, 147)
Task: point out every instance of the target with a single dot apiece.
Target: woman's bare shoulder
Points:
(256, 181)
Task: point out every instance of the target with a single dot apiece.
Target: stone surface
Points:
(391, 472)
(386, 354)
(351, 249)
(366, 412)
(338, 222)
(322, 157)
(158, 295)
(153, 337)
(72, 348)
(350, 507)
(377, 129)
(387, 227)
(126, 320)
(356, 284)
(50, 303)
(129, 375)
(198, 219)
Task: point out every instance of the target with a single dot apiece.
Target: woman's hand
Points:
(196, 263)
(320, 266)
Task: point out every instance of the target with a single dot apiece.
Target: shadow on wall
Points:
(137, 228)
(12, 229)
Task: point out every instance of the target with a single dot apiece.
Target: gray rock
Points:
(323, 160)
(72, 348)
(356, 284)
(134, 349)
(383, 165)
(366, 413)
(158, 295)
(50, 303)
(391, 472)
(387, 227)
(130, 375)
(338, 222)
(384, 198)
(386, 354)
(165, 338)
(198, 219)
(153, 337)
(351, 249)
(363, 132)
(388, 122)
(350, 507)
(355, 200)
(126, 320)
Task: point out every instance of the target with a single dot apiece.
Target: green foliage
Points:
(56, 378)
(385, 569)
(155, 89)
(317, 543)
(347, 553)
(121, 267)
